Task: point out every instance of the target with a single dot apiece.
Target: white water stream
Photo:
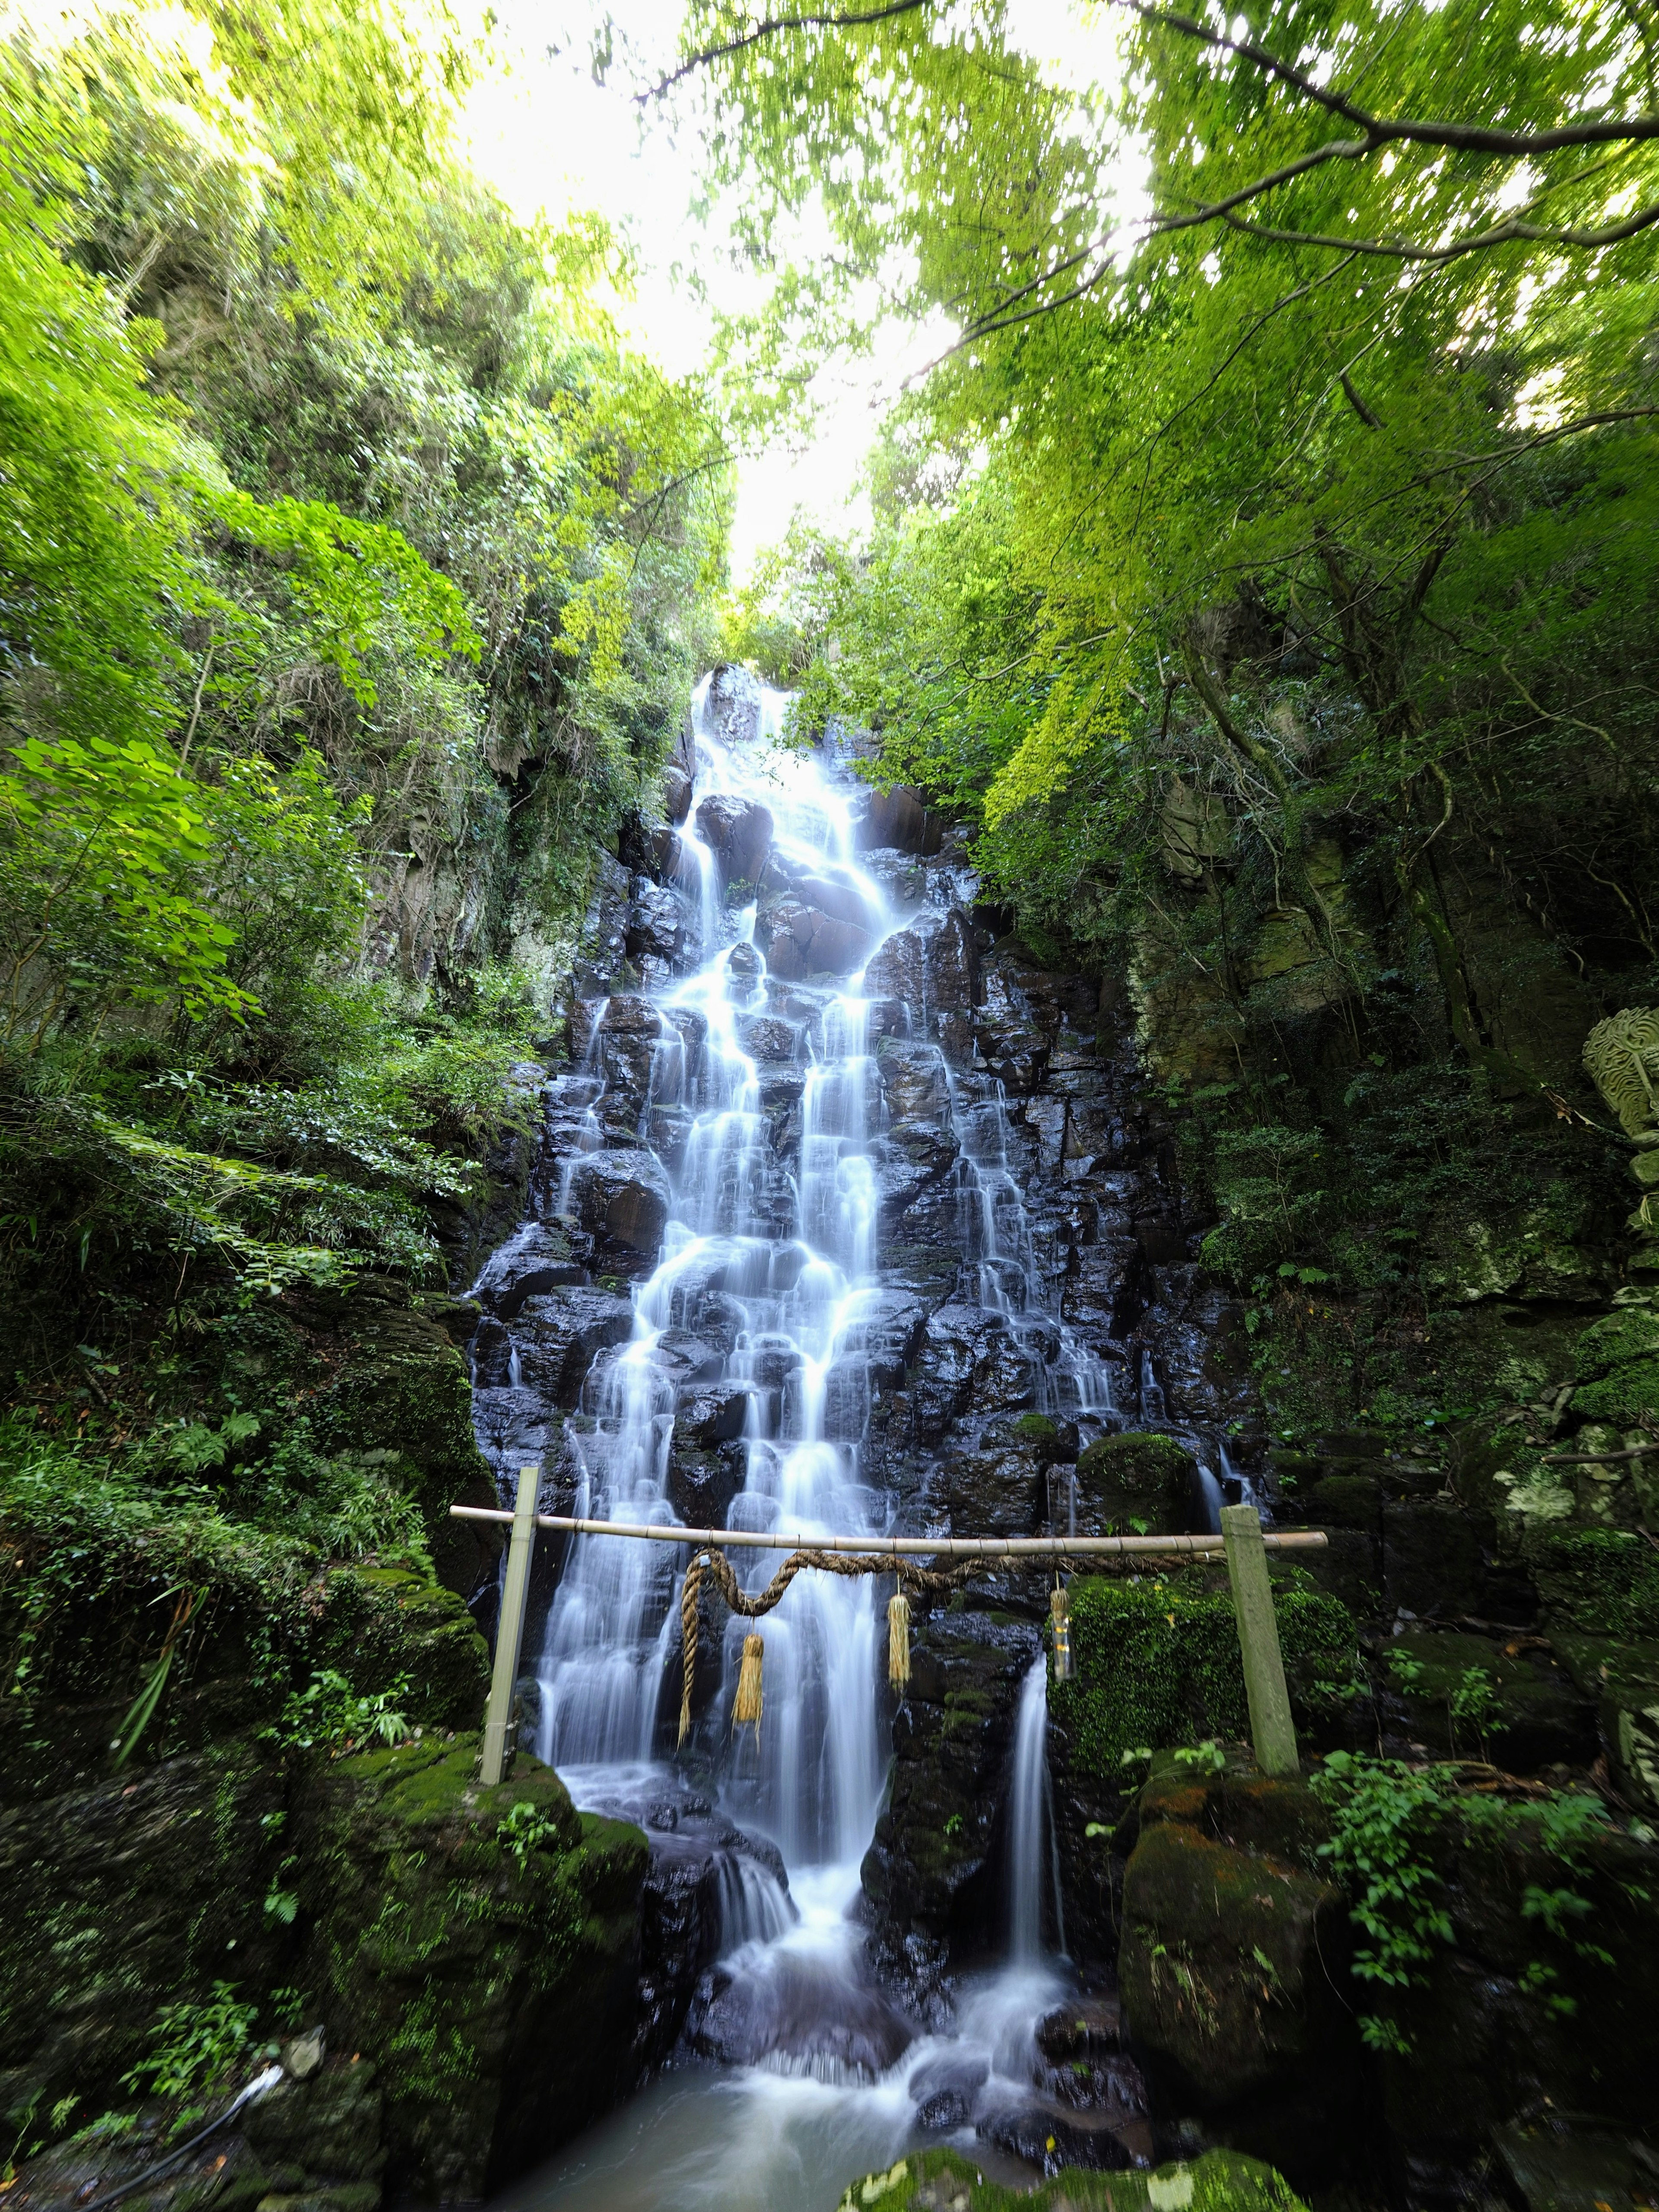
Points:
(770, 1265)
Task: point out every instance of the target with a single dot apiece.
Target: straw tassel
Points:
(898, 1640)
(689, 1597)
(1062, 1626)
(747, 1705)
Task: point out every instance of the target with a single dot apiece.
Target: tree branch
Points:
(1476, 241)
(1468, 137)
(768, 27)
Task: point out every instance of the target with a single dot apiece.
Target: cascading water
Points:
(737, 1104)
(1033, 1855)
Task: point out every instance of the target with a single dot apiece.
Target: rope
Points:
(715, 1567)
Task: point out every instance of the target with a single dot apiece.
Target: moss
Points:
(1629, 1395)
(1602, 1581)
(1135, 1479)
(1158, 1664)
(944, 2181)
(1633, 1333)
(494, 1985)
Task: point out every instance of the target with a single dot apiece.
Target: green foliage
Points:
(329, 1715)
(193, 2045)
(1393, 1824)
(524, 1828)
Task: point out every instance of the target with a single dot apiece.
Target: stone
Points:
(900, 819)
(739, 835)
(714, 1417)
(801, 940)
(731, 705)
(622, 1197)
(497, 1989)
(1432, 1557)
(795, 2009)
(656, 921)
(1521, 1707)
(703, 1479)
(559, 1335)
(533, 1260)
(929, 1871)
(302, 2056)
(1229, 1970)
(911, 1160)
(1131, 1477)
(968, 1358)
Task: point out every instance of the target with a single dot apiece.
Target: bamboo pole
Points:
(509, 1634)
(926, 1547)
(1273, 1731)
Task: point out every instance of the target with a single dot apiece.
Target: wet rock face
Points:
(733, 705)
(738, 834)
(929, 1876)
(799, 2010)
(622, 1198)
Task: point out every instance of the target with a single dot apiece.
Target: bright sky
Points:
(551, 140)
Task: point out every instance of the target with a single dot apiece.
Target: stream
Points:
(775, 1175)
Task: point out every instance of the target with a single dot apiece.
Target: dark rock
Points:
(703, 1479)
(945, 2090)
(1049, 2136)
(1430, 1556)
(910, 1161)
(732, 705)
(1130, 1478)
(801, 940)
(714, 1417)
(797, 2009)
(1229, 1968)
(622, 1197)
(929, 1871)
(656, 921)
(970, 1358)
(407, 1892)
(991, 1493)
(532, 1261)
(560, 1335)
(901, 820)
(739, 833)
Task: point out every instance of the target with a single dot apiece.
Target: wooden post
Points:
(509, 1634)
(1272, 1729)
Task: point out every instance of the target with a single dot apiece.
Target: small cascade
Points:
(1033, 1852)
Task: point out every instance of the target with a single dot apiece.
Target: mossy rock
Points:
(1135, 1483)
(404, 1388)
(1603, 1582)
(490, 1972)
(944, 2181)
(1157, 1664)
(384, 1622)
(1629, 1395)
(1468, 1697)
(143, 1888)
(1229, 1969)
(1633, 1333)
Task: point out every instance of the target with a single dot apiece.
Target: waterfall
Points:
(775, 1275)
(1033, 1847)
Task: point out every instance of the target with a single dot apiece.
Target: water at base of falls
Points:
(763, 1294)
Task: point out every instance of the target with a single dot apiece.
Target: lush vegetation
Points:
(351, 590)
(1264, 572)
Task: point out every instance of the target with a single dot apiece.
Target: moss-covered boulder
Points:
(1472, 1696)
(1599, 1580)
(944, 2181)
(144, 1886)
(1134, 1484)
(1156, 1664)
(481, 1945)
(402, 1387)
(1231, 1968)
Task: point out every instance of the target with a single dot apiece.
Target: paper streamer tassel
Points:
(898, 1640)
(1062, 1625)
(747, 1705)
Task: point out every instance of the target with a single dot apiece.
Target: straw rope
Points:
(713, 1566)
